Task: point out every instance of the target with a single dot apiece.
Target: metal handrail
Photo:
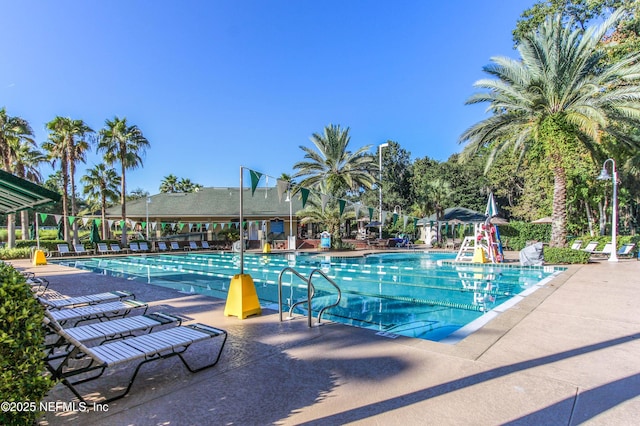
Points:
(302, 277)
(310, 294)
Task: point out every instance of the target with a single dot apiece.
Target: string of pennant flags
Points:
(119, 224)
(283, 186)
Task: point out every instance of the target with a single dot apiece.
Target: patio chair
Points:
(79, 249)
(101, 332)
(134, 247)
(590, 248)
(144, 246)
(626, 250)
(89, 299)
(38, 284)
(175, 245)
(102, 311)
(205, 245)
(116, 248)
(576, 244)
(83, 364)
(192, 246)
(606, 250)
(103, 248)
(63, 250)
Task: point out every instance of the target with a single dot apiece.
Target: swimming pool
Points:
(417, 294)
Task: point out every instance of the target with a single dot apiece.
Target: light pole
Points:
(382, 145)
(148, 202)
(291, 239)
(604, 175)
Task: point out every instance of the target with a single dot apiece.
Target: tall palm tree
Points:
(558, 99)
(69, 143)
(101, 185)
(14, 131)
(334, 164)
(169, 184)
(26, 165)
(122, 143)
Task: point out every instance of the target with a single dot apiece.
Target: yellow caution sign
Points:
(39, 258)
(242, 299)
(266, 248)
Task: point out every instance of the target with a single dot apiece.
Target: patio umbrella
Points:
(492, 209)
(61, 229)
(94, 237)
(32, 232)
(373, 224)
(546, 219)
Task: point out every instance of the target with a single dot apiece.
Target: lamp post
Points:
(382, 145)
(291, 240)
(604, 175)
(148, 202)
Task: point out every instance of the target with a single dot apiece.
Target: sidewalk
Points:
(567, 354)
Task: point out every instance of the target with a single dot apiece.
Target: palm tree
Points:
(558, 99)
(14, 131)
(332, 163)
(169, 184)
(101, 185)
(69, 143)
(26, 163)
(124, 144)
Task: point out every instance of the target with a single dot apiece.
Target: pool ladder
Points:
(310, 294)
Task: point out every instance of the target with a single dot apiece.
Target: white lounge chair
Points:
(162, 246)
(103, 248)
(606, 250)
(101, 312)
(193, 246)
(205, 245)
(626, 250)
(141, 349)
(116, 248)
(89, 299)
(591, 247)
(63, 250)
(143, 246)
(79, 249)
(134, 247)
(175, 245)
(576, 244)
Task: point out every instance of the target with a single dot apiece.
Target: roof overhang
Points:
(18, 194)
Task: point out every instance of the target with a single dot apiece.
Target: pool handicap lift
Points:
(242, 299)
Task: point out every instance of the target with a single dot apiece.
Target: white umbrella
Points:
(546, 219)
(492, 209)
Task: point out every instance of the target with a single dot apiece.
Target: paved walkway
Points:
(567, 354)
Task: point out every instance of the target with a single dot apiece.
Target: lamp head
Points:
(604, 175)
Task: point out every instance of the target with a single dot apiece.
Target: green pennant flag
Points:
(342, 204)
(370, 213)
(181, 225)
(395, 218)
(43, 217)
(163, 225)
(98, 221)
(143, 224)
(121, 224)
(71, 220)
(415, 222)
(304, 192)
(255, 178)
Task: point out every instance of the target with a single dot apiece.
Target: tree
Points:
(101, 186)
(26, 165)
(169, 184)
(332, 163)
(14, 131)
(68, 142)
(559, 98)
(122, 143)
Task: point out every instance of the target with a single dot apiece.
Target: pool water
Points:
(424, 295)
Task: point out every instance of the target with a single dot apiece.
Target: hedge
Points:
(22, 369)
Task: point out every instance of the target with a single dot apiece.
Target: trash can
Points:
(325, 240)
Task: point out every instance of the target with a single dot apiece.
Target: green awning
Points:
(18, 194)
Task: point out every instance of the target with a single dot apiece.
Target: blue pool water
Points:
(420, 294)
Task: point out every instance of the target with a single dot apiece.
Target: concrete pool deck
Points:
(567, 354)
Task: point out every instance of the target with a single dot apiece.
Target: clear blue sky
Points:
(218, 84)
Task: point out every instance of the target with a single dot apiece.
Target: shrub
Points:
(556, 256)
(21, 340)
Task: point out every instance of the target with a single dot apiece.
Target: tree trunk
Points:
(11, 230)
(123, 198)
(589, 217)
(24, 224)
(559, 216)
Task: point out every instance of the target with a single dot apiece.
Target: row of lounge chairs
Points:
(139, 247)
(626, 250)
(90, 334)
